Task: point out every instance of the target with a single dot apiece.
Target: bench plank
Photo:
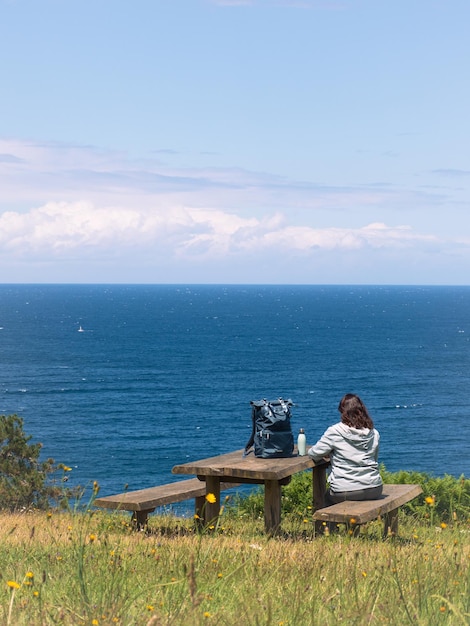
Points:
(143, 501)
(362, 511)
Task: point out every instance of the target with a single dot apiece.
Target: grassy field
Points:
(91, 568)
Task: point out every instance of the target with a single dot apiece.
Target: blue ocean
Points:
(121, 383)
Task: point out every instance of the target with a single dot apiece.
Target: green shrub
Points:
(25, 481)
(444, 498)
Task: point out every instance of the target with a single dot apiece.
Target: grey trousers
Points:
(373, 493)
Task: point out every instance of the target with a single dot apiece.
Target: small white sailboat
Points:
(80, 329)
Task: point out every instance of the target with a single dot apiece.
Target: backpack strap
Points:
(251, 440)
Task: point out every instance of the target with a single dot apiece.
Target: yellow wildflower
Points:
(210, 497)
(94, 622)
(207, 614)
(92, 538)
(150, 607)
(430, 500)
(13, 584)
(443, 525)
(29, 575)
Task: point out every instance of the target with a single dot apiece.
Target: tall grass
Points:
(90, 567)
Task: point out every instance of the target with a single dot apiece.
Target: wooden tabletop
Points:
(235, 465)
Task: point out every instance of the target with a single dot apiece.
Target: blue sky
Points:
(235, 141)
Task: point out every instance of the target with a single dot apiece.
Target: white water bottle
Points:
(302, 443)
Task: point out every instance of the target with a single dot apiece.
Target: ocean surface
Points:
(123, 382)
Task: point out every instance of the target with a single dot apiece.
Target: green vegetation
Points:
(82, 566)
(444, 499)
(25, 481)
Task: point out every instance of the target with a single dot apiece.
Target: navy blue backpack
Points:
(271, 436)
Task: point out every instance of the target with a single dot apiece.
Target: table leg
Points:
(272, 506)
(319, 491)
(319, 486)
(212, 510)
(140, 519)
(391, 524)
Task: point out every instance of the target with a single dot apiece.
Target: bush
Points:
(444, 498)
(24, 479)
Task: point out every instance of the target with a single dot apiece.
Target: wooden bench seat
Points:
(145, 501)
(355, 513)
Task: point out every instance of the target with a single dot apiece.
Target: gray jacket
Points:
(353, 453)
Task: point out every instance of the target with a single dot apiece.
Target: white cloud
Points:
(369, 236)
(33, 174)
(60, 204)
(57, 228)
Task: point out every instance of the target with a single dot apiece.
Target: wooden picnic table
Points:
(273, 473)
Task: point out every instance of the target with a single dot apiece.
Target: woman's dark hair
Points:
(354, 413)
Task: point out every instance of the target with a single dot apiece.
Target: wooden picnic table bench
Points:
(144, 501)
(355, 513)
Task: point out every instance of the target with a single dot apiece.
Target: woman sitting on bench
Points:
(352, 445)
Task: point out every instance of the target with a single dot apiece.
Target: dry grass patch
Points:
(93, 569)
